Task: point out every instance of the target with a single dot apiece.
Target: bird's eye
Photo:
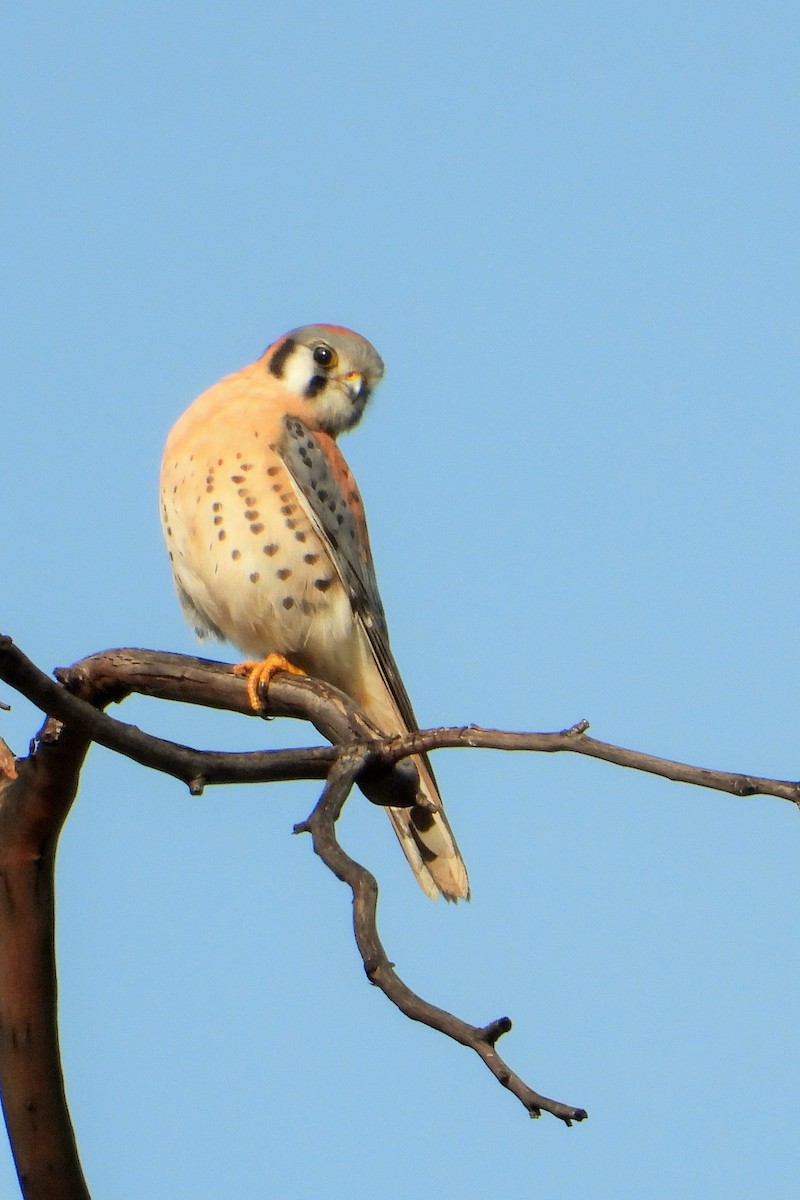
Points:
(324, 356)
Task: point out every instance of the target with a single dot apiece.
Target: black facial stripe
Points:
(278, 360)
(315, 386)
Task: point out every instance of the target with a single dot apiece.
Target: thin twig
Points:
(575, 741)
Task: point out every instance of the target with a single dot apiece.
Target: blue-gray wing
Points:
(331, 497)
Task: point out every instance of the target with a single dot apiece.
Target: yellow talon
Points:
(260, 672)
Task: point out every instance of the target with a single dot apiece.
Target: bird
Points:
(269, 548)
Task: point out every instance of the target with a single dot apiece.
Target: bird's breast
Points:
(244, 551)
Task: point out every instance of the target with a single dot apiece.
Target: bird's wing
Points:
(332, 500)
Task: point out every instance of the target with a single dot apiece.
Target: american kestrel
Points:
(268, 543)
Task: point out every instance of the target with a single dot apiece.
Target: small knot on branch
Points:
(94, 688)
(197, 785)
(492, 1032)
(373, 966)
(576, 730)
(744, 786)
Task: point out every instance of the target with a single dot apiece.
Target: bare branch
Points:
(35, 796)
(574, 741)
(114, 674)
(380, 971)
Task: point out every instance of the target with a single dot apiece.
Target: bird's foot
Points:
(260, 672)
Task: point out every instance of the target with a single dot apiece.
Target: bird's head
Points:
(330, 370)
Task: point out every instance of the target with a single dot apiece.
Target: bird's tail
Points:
(424, 831)
(428, 842)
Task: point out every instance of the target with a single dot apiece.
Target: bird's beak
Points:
(355, 385)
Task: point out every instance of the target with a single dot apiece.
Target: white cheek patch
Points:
(298, 370)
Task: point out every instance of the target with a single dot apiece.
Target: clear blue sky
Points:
(571, 230)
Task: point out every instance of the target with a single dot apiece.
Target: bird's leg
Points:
(260, 672)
